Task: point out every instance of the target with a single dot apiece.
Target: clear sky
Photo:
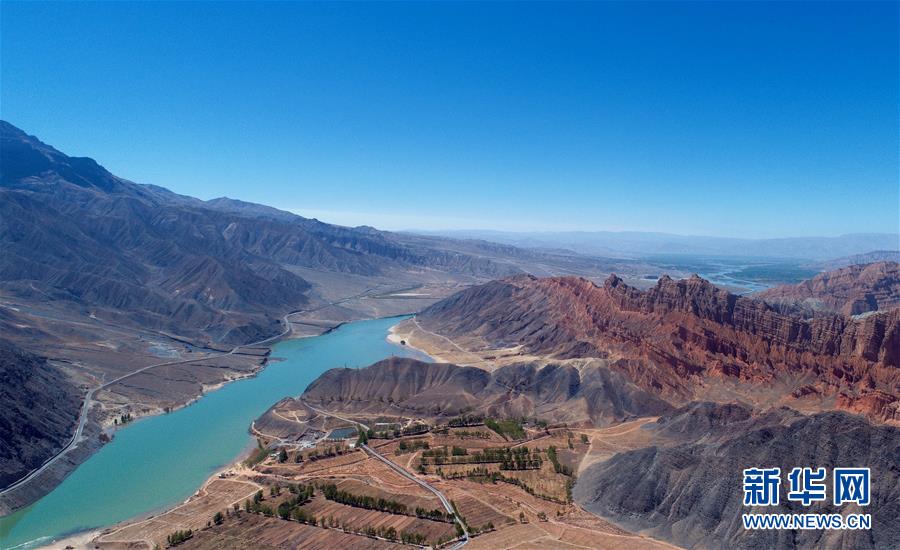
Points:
(735, 119)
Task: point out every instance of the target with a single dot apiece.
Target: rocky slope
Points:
(39, 413)
(851, 290)
(558, 393)
(110, 276)
(687, 340)
(74, 233)
(224, 270)
(687, 487)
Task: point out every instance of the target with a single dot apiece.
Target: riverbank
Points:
(179, 451)
(404, 334)
(96, 538)
(113, 400)
(79, 541)
(442, 349)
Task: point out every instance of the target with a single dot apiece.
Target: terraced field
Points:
(508, 492)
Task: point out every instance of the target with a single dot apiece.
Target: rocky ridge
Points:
(687, 340)
(852, 290)
(592, 395)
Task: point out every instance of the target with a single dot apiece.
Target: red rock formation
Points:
(688, 339)
(851, 290)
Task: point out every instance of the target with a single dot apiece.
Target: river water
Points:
(159, 461)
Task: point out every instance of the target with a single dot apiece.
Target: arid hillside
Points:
(851, 290)
(39, 413)
(136, 284)
(590, 394)
(687, 340)
(685, 485)
(746, 383)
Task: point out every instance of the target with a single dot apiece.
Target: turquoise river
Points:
(160, 461)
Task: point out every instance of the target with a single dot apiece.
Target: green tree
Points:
(364, 435)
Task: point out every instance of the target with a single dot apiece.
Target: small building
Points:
(342, 434)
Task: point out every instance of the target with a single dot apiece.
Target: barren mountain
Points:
(112, 277)
(592, 394)
(644, 244)
(74, 233)
(858, 259)
(686, 488)
(687, 340)
(223, 270)
(40, 410)
(851, 290)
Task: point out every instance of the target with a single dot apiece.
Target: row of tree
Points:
(176, 538)
(292, 509)
(435, 514)
(412, 446)
(558, 467)
(303, 494)
(517, 458)
(466, 420)
(331, 492)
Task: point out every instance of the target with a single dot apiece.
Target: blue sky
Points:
(735, 119)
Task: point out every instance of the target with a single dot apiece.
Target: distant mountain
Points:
(687, 340)
(686, 486)
(858, 259)
(39, 413)
(641, 244)
(852, 290)
(101, 273)
(557, 393)
(75, 234)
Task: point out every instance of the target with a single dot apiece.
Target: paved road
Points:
(441, 497)
(88, 398)
(86, 406)
(375, 454)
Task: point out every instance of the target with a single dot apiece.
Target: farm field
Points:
(508, 481)
(253, 531)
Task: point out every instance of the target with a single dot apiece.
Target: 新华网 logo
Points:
(762, 487)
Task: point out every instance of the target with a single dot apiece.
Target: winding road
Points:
(88, 398)
(88, 401)
(375, 454)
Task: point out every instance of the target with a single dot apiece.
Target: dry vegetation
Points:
(509, 482)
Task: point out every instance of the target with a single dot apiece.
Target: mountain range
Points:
(687, 340)
(641, 244)
(73, 233)
(714, 383)
(101, 277)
